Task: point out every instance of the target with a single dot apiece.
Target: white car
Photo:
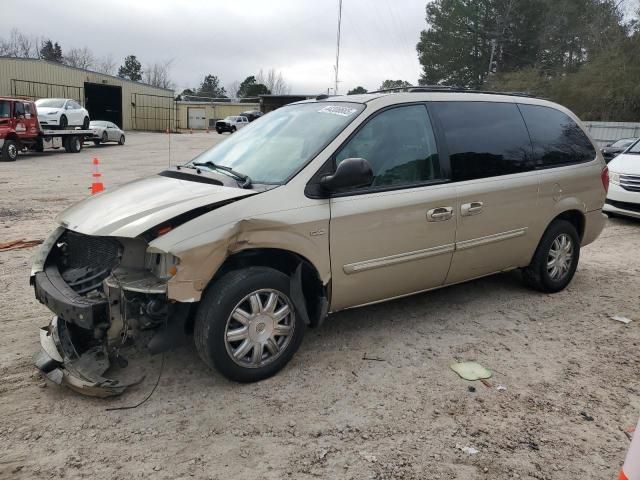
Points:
(231, 123)
(61, 113)
(104, 132)
(624, 183)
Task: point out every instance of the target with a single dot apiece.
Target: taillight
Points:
(605, 179)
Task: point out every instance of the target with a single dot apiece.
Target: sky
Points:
(236, 39)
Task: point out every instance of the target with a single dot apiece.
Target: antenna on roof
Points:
(335, 90)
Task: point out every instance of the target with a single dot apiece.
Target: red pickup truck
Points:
(20, 130)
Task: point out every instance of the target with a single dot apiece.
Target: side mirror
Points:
(351, 173)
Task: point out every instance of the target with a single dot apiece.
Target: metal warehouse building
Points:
(131, 105)
(197, 115)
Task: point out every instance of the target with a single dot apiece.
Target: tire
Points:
(104, 138)
(539, 275)
(75, 144)
(39, 146)
(85, 123)
(233, 129)
(121, 141)
(214, 320)
(63, 122)
(219, 131)
(9, 151)
(96, 142)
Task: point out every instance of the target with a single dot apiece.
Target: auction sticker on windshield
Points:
(337, 110)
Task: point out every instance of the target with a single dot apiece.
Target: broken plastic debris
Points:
(501, 388)
(471, 370)
(620, 318)
(467, 450)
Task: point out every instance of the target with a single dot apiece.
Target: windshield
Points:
(635, 148)
(231, 119)
(285, 140)
(4, 109)
(50, 103)
(625, 142)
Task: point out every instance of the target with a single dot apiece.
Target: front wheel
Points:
(246, 326)
(104, 138)
(85, 123)
(233, 129)
(9, 151)
(556, 259)
(63, 121)
(121, 141)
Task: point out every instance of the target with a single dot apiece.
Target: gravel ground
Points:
(571, 373)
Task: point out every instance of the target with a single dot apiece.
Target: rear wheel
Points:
(9, 151)
(63, 121)
(73, 144)
(121, 141)
(556, 259)
(246, 325)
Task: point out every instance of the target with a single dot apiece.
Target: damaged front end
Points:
(107, 293)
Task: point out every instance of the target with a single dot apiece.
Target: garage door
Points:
(197, 118)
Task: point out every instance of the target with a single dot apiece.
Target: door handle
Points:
(439, 214)
(473, 208)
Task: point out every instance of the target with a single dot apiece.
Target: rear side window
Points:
(557, 139)
(485, 139)
(400, 146)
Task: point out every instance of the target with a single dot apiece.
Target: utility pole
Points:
(335, 91)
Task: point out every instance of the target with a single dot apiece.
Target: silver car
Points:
(104, 132)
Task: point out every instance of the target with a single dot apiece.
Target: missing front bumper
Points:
(59, 361)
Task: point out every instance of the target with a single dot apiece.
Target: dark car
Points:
(252, 115)
(616, 148)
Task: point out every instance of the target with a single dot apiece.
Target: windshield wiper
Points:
(246, 181)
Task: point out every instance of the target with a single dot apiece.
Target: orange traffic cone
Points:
(631, 467)
(96, 185)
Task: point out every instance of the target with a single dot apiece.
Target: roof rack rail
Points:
(452, 89)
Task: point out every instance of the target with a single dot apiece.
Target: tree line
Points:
(263, 83)
(583, 54)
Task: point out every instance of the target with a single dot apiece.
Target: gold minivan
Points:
(319, 206)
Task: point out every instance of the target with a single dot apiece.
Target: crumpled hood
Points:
(134, 208)
(626, 164)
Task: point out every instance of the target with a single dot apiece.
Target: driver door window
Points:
(400, 146)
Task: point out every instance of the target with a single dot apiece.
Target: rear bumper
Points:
(593, 226)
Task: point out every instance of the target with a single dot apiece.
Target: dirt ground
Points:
(571, 373)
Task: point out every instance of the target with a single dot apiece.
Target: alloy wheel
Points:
(560, 257)
(259, 328)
